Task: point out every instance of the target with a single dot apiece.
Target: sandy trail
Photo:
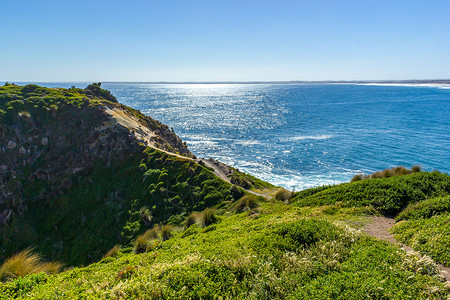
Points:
(379, 228)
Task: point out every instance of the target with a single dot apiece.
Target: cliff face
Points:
(50, 134)
(73, 171)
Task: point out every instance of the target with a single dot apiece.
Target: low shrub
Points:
(429, 236)
(386, 195)
(26, 262)
(426, 209)
(306, 232)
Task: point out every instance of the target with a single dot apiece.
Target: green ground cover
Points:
(281, 251)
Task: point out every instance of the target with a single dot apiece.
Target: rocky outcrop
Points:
(49, 142)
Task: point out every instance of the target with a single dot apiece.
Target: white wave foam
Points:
(248, 142)
(312, 137)
(209, 143)
(434, 85)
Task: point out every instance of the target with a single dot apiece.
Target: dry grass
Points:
(283, 195)
(246, 203)
(166, 232)
(26, 262)
(386, 173)
(208, 217)
(112, 252)
(191, 220)
(143, 241)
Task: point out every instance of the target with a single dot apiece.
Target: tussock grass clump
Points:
(247, 203)
(113, 251)
(208, 217)
(144, 240)
(191, 220)
(24, 263)
(386, 173)
(284, 195)
(166, 232)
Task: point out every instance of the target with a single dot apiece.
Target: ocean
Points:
(299, 136)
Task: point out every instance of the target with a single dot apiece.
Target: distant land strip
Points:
(411, 81)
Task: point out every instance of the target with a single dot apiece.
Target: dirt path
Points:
(218, 168)
(379, 228)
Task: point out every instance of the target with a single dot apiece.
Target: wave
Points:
(432, 85)
(311, 137)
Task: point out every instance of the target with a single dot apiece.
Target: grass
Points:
(427, 235)
(386, 195)
(288, 252)
(247, 203)
(24, 263)
(113, 251)
(426, 209)
(386, 173)
(284, 195)
(208, 217)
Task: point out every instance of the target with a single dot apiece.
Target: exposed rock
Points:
(22, 150)
(11, 145)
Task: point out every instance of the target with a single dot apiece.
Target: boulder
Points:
(11, 145)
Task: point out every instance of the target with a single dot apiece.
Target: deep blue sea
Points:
(300, 136)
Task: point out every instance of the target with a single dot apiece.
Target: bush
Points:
(426, 209)
(95, 90)
(236, 192)
(246, 203)
(306, 232)
(24, 263)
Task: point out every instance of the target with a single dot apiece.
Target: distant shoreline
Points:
(368, 82)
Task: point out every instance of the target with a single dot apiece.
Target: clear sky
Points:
(237, 40)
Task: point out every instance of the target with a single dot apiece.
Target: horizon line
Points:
(405, 81)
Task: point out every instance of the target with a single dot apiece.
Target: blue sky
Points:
(243, 40)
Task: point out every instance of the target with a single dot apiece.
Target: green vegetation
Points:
(138, 223)
(249, 182)
(386, 195)
(426, 209)
(105, 205)
(425, 226)
(430, 236)
(285, 253)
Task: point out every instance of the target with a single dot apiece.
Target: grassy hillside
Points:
(386, 195)
(73, 188)
(281, 251)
